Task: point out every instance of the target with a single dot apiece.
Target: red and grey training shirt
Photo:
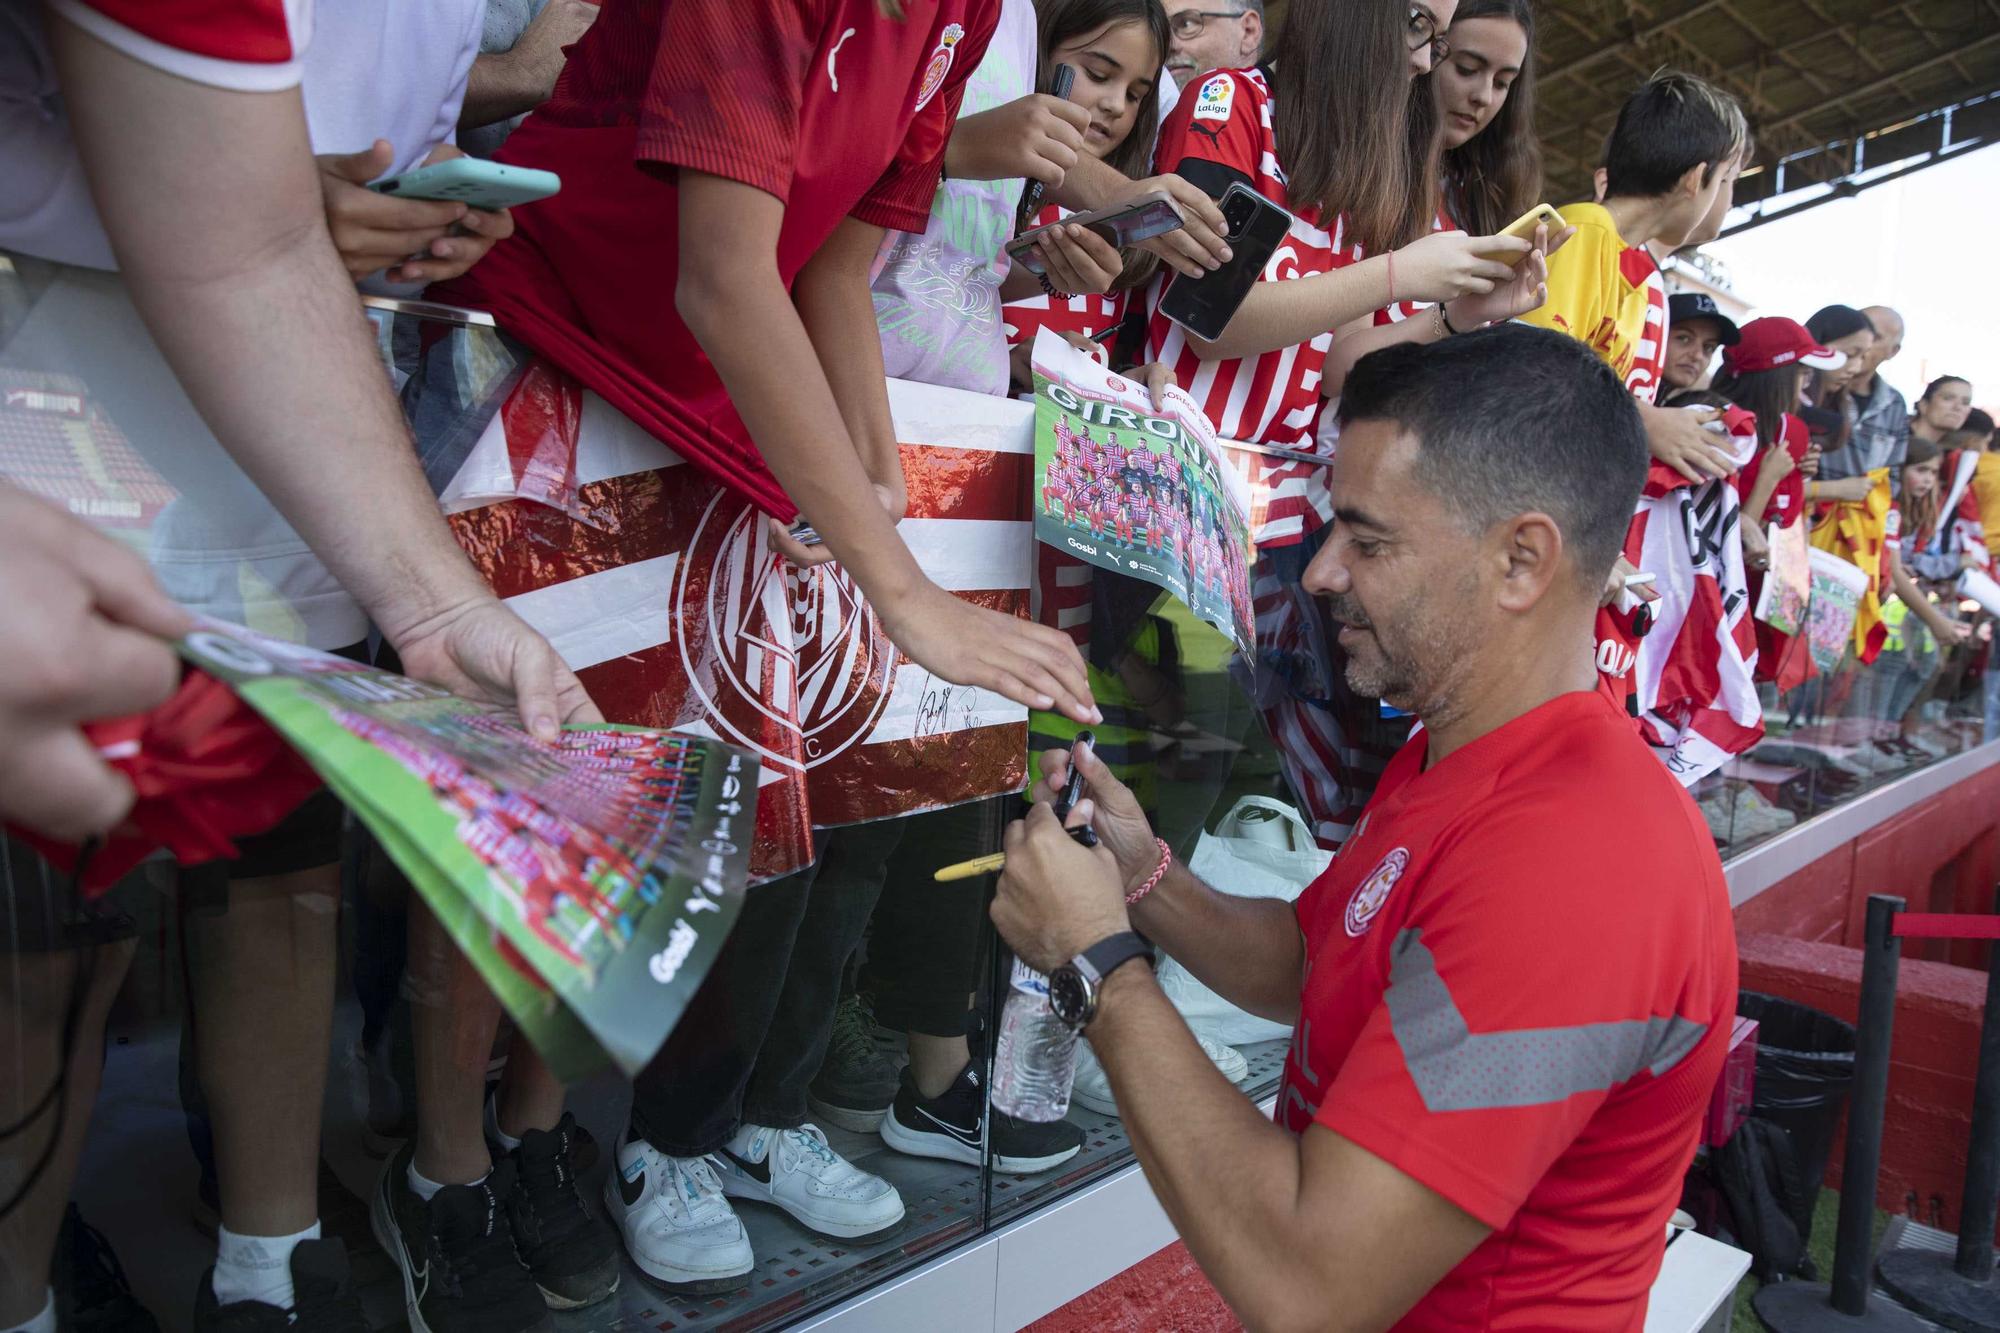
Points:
(829, 106)
(1520, 979)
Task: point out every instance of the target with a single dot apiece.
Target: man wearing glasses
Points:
(1209, 35)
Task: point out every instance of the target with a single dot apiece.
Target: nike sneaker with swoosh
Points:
(795, 1170)
(677, 1227)
(456, 1250)
(953, 1126)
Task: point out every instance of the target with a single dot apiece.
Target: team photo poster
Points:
(591, 879)
(1141, 491)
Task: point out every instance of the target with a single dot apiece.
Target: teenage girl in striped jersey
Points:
(1490, 172)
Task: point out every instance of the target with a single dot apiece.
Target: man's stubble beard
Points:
(1423, 680)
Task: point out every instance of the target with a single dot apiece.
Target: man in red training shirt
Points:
(1512, 990)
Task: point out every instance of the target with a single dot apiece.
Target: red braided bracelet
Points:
(1159, 873)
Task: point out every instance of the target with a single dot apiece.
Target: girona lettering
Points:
(1614, 658)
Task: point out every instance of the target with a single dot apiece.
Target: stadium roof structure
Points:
(1842, 94)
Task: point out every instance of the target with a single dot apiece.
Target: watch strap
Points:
(1106, 956)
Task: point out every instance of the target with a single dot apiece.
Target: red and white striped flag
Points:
(659, 588)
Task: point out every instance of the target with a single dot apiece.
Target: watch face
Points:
(1069, 995)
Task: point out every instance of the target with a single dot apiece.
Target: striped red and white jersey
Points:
(1272, 398)
(1649, 354)
(1691, 681)
(1087, 314)
(658, 587)
(241, 45)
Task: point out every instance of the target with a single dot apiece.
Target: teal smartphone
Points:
(474, 181)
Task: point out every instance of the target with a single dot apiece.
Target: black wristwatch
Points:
(1075, 986)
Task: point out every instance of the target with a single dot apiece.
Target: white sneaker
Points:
(794, 1169)
(678, 1227)
(1092, 1088)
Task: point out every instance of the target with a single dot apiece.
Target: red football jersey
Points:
(826, 104)
(243, 45)
(1649, 354)
(1520, 979)
(1788, 501)
(1273, 398)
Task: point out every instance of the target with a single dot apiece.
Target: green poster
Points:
(1141, 490)
(591, 880)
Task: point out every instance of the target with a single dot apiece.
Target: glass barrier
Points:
(848, 991)
(1856, 727)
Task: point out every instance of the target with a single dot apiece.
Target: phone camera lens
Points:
(1237, 215)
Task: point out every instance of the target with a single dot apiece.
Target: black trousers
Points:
(757, 1030)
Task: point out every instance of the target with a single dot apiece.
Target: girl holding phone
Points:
(1355, 151)
(1489, 174)
(1117, 49)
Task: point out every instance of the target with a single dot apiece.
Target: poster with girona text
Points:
(590, 879)
(1143, 490)
(660, 587)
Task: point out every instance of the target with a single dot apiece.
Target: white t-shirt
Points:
(373, 69)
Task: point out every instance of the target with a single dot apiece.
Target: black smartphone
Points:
(1061, 80)
(1205, 305)
(1152, 214)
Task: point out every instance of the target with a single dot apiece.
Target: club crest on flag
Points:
(1372, 892)
(822, 685)
(847, 663)
(939, 66)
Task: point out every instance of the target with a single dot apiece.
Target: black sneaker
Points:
(952, 1127)
(583, 1152)
(100, 1300)
(461, 1273)
(323, 1298)
(571, 1251)
(858, 1079)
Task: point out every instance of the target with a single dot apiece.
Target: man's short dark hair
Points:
(1514, 420)
(1978, 421)
(1674, 122)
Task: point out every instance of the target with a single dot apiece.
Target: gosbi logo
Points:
(1372, 892)
(797, 698)
(940, 65)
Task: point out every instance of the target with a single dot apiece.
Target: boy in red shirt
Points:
(1508, 1019)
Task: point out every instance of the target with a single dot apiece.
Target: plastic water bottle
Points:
(1034, 1062)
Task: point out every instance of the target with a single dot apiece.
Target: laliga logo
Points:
(1374, 891)
(793, 660)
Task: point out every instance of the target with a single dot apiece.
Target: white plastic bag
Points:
(1261, 849)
